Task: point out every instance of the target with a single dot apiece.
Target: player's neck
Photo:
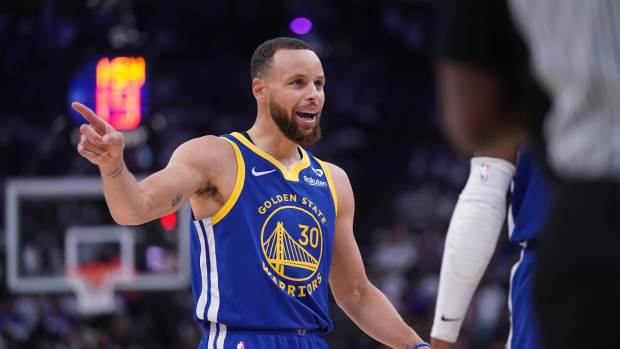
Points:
(267, 136)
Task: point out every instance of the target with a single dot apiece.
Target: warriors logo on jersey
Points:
(293, 251)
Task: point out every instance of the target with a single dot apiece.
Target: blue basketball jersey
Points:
(529, 198)
(529, 203)
(262, 262)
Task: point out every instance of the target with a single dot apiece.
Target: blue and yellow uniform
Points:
(260, 266)
(529, 205)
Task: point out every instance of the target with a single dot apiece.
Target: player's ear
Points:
(259, 88)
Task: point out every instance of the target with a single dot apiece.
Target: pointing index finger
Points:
(88, 114)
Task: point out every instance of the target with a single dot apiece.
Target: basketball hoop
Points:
(97, 260)
(94, 283)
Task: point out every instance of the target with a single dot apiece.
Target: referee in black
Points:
(575, 53)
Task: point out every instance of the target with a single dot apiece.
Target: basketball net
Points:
(93, 284)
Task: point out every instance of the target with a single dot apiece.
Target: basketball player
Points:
(490, 99)
(272, 224)
(474, 229)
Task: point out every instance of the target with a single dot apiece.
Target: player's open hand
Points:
(99, 143)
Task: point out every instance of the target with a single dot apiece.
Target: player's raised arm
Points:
(365, 304)
(132, 202)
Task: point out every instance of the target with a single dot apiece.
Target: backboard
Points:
(53, 225)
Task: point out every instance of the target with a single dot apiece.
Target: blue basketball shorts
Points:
(219, 337)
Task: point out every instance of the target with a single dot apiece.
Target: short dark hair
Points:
(263, 55)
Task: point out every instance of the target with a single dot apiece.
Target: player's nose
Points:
(312, 93)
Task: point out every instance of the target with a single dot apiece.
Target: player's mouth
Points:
(307, 119)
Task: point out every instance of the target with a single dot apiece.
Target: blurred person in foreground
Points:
(575, 48)
(489, 100)
(272, 224)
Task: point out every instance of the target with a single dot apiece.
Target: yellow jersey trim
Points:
(330, 181)
(222, 212)
(291, 174)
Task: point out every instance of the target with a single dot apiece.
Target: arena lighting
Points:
(115, 88)
(301, 25)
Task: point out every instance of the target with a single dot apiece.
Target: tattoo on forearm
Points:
(177, 199)
(116, 172)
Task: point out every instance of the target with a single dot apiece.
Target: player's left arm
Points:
(365, 304)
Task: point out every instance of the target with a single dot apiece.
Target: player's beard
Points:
(287, 123)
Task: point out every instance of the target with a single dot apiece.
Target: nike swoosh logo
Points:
(260, 173)
(444, 318)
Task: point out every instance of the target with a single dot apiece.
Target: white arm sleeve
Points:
(474, 229)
